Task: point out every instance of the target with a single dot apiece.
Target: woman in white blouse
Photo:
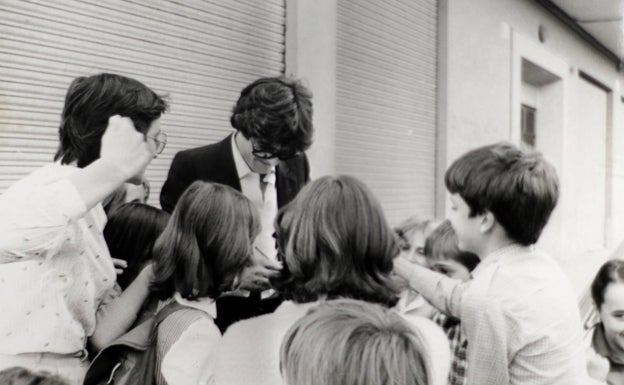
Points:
(207, 243)
(55, 268)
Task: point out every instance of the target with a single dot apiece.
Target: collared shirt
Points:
(518, 314)
(55, 268)
(251, 183)
(458, 345)
(191, 358)
(249, 180)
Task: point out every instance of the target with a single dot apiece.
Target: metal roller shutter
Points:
(200, 53)
(386, 101)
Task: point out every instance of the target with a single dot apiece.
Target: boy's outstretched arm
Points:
(441, 291)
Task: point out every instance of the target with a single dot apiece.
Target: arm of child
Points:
(442, 292)
(115, 318)
(37, 224)
(124, 153)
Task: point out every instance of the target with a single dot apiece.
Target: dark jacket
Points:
(215, 163)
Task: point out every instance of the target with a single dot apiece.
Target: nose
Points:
(273, 161)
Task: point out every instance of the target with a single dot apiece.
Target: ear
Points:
(487, 222)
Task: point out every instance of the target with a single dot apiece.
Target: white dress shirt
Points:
(251, 186)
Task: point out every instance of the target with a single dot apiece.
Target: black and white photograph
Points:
(311, 192)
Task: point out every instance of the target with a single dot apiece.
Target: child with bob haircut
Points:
(130, 233)
(519, 311)
(205, 246)
(349, 342)
(334, 242)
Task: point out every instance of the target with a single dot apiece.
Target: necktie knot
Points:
(269, 178)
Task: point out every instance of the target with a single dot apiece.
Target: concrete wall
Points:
(485, 42)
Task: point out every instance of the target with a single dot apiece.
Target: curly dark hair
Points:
(277, 113)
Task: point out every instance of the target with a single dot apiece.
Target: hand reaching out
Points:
(256, 277)
(120, 265)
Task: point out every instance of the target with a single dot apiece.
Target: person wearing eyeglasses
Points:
(56, 272)
(264, 159)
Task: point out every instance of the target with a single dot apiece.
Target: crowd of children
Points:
(469, 300)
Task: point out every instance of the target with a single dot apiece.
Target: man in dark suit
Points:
(265, 160)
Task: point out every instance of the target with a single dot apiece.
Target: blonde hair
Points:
(407, 230)
(349, 342)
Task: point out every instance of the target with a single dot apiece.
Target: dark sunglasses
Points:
(265, 155)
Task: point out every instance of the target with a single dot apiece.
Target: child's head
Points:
(335, 242)
(130, 233)
(412, 233)
(207, 242)
(444, 255)
(90, 102)
(519, 189)
(347, 342)
(22, 376)
(607, 291)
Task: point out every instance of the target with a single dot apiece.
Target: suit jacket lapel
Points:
(227, 166)
(285, 182)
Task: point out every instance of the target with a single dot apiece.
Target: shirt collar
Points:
(241, 166)
(497, 255)
(207, 305)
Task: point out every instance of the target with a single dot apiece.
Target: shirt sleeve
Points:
(191, 359)
(34, 222)
(442, 292)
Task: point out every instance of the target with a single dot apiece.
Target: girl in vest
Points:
(206, 244)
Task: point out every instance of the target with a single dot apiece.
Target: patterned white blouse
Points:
(55, 268)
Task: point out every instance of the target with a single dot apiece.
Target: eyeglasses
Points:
(161, 141)
(265, 155)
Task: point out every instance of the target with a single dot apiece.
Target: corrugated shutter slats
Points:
(199, 53)
(386, 101)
